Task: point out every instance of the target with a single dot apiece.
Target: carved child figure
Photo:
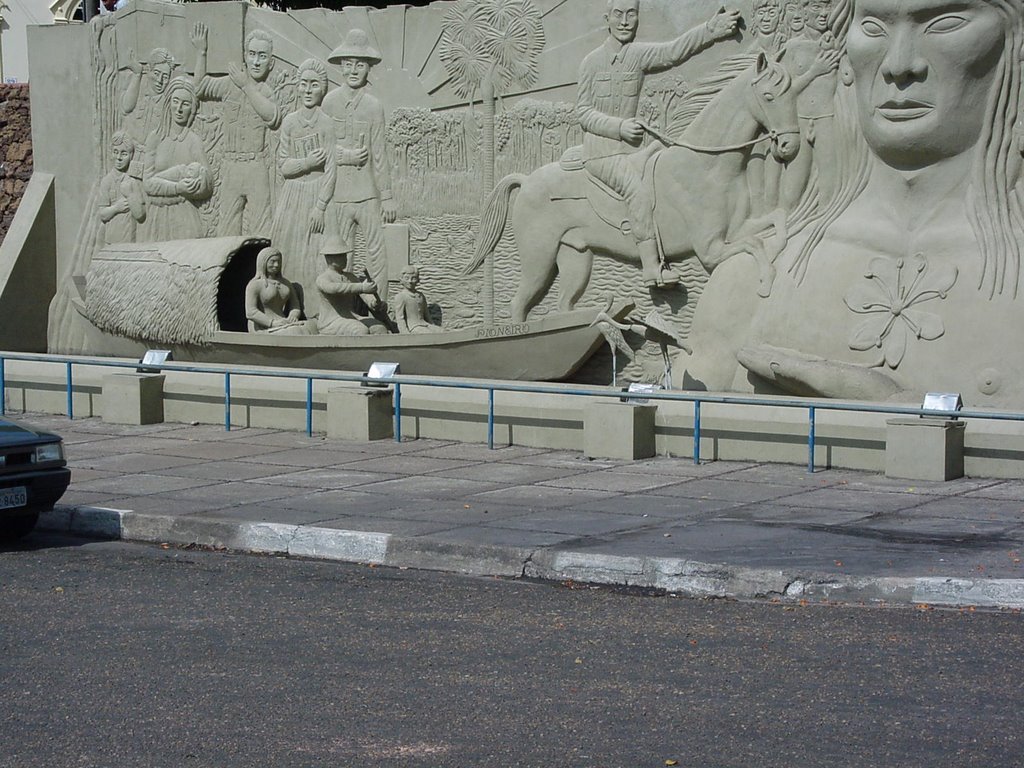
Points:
(338, 291)
(411, 305)
(122, 203)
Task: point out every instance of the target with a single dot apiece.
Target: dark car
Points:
(33, 476)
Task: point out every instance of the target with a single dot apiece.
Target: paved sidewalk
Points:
(719, 529)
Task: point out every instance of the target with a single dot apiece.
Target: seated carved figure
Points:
(271, 303)
(338, 291)
(411, 305)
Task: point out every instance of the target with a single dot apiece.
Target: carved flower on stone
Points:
(892, 302)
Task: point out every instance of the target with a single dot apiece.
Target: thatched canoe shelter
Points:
(174, 292)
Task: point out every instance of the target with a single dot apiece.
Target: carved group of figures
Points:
(849, 180)
(329, 154)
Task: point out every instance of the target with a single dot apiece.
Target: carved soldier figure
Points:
(122, 202)
(142, 109)
(362, 193)
(610, 83)
(250, 111)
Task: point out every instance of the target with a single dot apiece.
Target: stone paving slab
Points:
(726, 529)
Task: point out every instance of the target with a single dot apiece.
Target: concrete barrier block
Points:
(616, 430)
(924, 449)
(360, 413)
(133, 398)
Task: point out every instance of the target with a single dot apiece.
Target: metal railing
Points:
(696, 398)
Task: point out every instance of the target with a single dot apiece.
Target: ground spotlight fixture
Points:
(379, 374)
(152, 361)
(945, 403)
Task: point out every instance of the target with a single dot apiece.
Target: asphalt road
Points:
(125, 655)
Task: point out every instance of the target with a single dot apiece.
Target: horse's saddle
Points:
(577, 184)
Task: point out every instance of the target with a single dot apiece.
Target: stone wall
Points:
(15, 151)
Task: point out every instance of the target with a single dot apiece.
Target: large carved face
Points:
(259, 59)
(356, 72)
(159, 76)
(923, 71)
(311, 88)
(766, 18)
(623, 18)
(816, 13)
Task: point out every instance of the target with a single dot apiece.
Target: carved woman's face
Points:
(274, 266)
(181, 107)
(794, 17)
(923, 71)
(311, 89)
(122, 156)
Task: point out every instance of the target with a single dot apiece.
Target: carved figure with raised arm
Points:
(305, 157)
(250, 112)
(362, 194)
(411, 313)
(142, 107)
(813, 58)
(271, 305)
(122, 204)
(339, 289)
(611, 79)
(176, 175)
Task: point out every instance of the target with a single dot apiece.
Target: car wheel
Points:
(16, 527)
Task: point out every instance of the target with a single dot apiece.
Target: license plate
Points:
(13, 497)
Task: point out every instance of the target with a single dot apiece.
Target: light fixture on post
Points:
(946, 404)
(379, 374)
(153, 360)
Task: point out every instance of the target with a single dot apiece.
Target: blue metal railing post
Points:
(3, 389)
(227, 401)
(490, 419)
(309, 407)
(71, 399)
(810, 440)
(696, 431)
(398, 413)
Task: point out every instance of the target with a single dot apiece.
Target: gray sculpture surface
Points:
(822, 199)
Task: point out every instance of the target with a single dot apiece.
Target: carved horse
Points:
(695, 188)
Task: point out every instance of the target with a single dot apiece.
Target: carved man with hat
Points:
(362, 195)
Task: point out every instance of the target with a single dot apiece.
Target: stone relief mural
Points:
(813, 197)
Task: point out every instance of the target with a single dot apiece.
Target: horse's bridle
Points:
(771, 135)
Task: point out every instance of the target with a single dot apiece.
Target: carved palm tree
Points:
(488, 46)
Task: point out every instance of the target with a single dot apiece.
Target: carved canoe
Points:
(548, 348)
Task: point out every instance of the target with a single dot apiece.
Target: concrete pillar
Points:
(924, 449)
(360, 413)
(616, 430)
(133, 398)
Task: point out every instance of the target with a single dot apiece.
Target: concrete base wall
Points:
(728, 432)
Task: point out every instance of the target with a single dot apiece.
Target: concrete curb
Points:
(685, 577)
